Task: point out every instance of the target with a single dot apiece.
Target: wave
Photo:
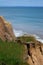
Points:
(19, 33)
(38, 38)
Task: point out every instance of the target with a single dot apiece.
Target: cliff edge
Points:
(33, 53)
(6, 31)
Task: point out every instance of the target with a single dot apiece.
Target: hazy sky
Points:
(21, 2)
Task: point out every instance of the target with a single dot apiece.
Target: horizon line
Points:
(21, 6)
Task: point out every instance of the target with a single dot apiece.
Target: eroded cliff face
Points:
(34, 53)
(6, 31)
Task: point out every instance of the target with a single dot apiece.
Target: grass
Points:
(11, 53)
(27, 38)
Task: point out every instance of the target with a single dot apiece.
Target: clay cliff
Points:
(6, 31)
(34, 53)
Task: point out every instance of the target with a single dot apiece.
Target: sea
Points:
(25, 20)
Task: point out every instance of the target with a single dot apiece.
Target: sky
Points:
(21, 2)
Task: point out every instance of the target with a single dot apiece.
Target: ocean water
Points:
(24, 19)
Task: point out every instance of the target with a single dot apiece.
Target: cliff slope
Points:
(33, 50)
(6, 31)
(35, 54)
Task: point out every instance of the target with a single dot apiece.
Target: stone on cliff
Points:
(6, 31)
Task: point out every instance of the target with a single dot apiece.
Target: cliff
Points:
(6, 31)
(33, 54)
(33, 49)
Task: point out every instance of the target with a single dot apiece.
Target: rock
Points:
(34, 53)
(6, 31)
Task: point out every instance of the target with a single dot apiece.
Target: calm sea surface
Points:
(27, 19)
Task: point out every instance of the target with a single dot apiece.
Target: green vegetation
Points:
(27, 38)
(11, 53)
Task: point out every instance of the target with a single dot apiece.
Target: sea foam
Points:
(38, 38)
(19, 33)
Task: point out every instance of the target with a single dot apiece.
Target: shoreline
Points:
(38, 38)
(19, 33)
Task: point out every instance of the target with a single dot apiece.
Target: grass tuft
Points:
(11, 53)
